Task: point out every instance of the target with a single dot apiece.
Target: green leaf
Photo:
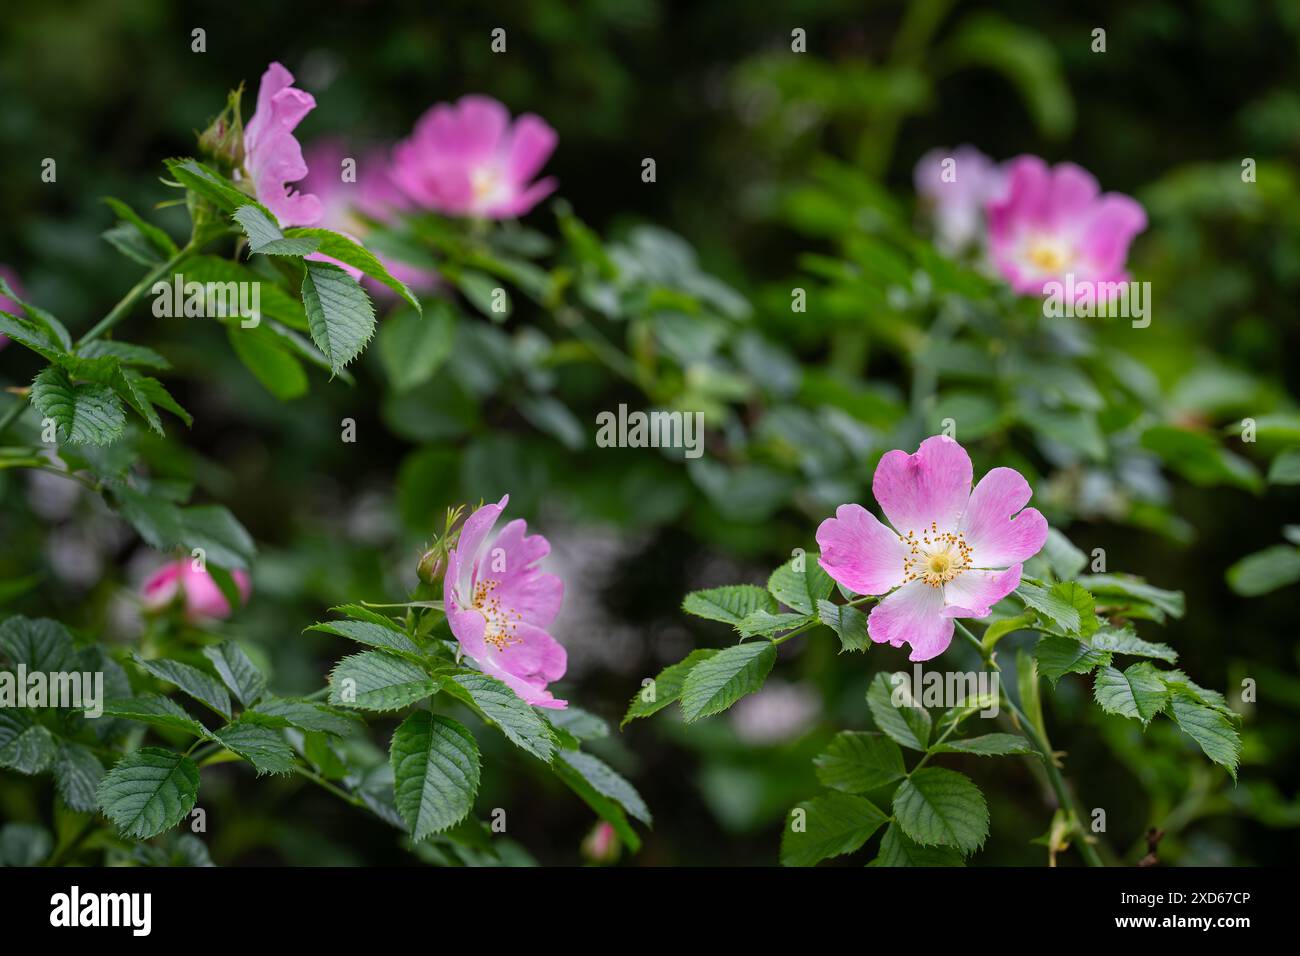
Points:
(1058, 656)
(1211, 730)
(77, 772)
(157, 238)
(665, 688)
(39, 644)
(907, 723)
(25, 746)
(1285, 469)
(263, 747)
(715, 684)
(223, 539)
(83, 414)
(350, 253)
(897, 849)
(45, 323)
(1199, 458)
(339, 313)
(435, 772)
(412, 348)
(1001, 628)
(501, 705)
(304, 714)
(848, 622)
(378, 681)
(730, 605)
(155, 710)
(766, 624)
(1265, 571)
(375, 635)
(943, 807)
(132, 243)
(856, 762)
(31, 336)
(24, 844)
(1111, 589)
(604, 807)
(1064, 559)
(149, 791)
(1123, 640)
(988, 745)
(202, 687)
(239, 673)
(212, 186)
(265, 237)
(1138, 691)
(1068, 605)
(801, 590)
(827, 826)
(275, 301)
(607, 782)
(266, 355)
(124, 352)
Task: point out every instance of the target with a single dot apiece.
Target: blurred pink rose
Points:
(203, 599)
(1052, 222)
(468, 159)
(956, 185)
(374, 194)
(272, 156)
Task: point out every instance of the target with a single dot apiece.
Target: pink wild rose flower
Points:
(500, 604)
(7, 304)
(468, 159)
(374, 195)
(203, 599)
(1052, 222)
(273, 156)
(956, 193)
(951, 552)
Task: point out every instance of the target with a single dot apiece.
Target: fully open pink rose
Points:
(1052, 222)
(951, 552)
(468, 159)
(273, 156)
(203, 599)
(500, 604)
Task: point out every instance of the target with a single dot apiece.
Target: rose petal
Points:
(973, 593)
(912, 615)
(931, 486)
(859, 552)
(996, 539)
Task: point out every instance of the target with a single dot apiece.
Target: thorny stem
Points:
(1039, 739)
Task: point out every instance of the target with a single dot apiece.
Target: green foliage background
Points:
(780, 171)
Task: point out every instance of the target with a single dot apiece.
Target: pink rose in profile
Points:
(468, 159)
(203, 599)
(7, 304)
(1052, 222)
(374, 195)
(499, 604)
(956, 185)
(272, 156)
(951, 552)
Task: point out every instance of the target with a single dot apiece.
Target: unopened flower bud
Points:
(432, 564)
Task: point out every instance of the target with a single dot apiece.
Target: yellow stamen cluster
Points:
(935, 557)
(502, 622)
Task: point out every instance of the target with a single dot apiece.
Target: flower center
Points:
(483, 181)
(502, 622)
(1048, 255)
(935, 557)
